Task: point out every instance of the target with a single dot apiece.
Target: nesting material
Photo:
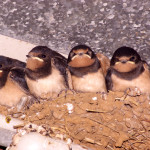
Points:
(33, 137)
(118, 122)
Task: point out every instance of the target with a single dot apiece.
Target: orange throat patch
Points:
(34, 64)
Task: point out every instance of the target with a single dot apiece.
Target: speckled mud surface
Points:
(118, 122)
(104, 25)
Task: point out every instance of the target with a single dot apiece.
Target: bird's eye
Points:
(42, 56)
(132, 58)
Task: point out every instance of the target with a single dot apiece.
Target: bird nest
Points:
(116, 121)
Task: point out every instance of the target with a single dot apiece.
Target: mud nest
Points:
(118, 121)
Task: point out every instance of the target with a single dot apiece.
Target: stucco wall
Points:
(104, 25)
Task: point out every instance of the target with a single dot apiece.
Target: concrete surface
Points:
(104, 25)
(7, 129)
(14, 48)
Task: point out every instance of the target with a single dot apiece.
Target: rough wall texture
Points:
(104, 25)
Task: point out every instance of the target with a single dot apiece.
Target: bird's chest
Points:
(91, 82)
(11, 94)
(45, 87)
(142, 82)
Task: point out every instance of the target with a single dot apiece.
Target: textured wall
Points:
(104, 25)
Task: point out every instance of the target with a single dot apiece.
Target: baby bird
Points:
(10, 62)
(86, 70)
(127, 70)
(46, 74)
(13, 88)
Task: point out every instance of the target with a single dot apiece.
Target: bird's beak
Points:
(37, 58)
(80, 54)
(123, 61)
(74, 57)
(88, 56)
(118, 62)
(34, 57)
(28, 56)
(131, 62)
